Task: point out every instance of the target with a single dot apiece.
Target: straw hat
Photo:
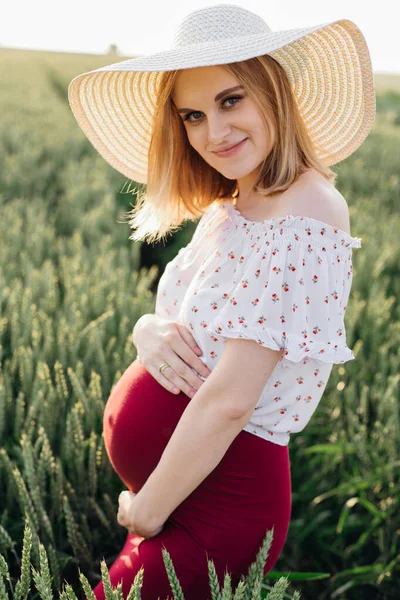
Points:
(328, 66)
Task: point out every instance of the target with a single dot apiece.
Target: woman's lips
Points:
(232, 151)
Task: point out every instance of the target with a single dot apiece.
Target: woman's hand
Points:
(159, 341)
(127, 517)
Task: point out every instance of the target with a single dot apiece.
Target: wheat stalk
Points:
(92, 470)
(86, 587)
(5, 540)
(23, 584)
(279, 589)
(214, 583)
(70, 592)
(105, 576)
(43, 578)
(227, 588)
(240, 591)
(134, 592)
(55, 569)
(172, 577)
(3, 591)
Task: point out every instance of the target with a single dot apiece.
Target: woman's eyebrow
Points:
(217, 97)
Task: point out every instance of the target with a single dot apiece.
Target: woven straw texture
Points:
(328, 66)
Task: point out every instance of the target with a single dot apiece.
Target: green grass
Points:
(72, 288)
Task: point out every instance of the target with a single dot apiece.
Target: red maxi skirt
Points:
(225, 519)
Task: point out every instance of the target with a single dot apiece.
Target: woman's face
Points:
(221, 118)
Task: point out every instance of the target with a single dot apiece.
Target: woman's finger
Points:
(182, 370)
(162, 380)
(185, 349)
(188, 338)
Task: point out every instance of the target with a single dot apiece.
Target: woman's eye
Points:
(238, 98)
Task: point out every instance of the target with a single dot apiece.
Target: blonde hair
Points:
(181, 184)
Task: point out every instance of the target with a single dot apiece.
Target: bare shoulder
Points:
(313, 196)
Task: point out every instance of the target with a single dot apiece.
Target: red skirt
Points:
(224, 519)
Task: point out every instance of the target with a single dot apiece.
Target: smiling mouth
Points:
(230, 150)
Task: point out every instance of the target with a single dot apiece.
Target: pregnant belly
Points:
(139, 418)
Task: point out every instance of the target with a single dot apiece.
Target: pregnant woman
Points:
(238, 125)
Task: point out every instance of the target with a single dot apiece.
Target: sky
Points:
(90, 26)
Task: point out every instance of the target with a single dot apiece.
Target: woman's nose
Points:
(218, 129)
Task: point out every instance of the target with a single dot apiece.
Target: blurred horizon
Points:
(120, 57)
(90, 28)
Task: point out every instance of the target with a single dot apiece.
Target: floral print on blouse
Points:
(283, 282)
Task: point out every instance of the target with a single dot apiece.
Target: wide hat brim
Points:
(328, 66)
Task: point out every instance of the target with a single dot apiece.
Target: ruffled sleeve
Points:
(291, 294)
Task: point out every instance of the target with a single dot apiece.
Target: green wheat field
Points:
(72, 286)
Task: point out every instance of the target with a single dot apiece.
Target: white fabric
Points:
(283, 282)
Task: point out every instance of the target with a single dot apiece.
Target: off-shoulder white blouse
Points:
(283, 282)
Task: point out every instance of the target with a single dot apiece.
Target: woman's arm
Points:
(211, 421)
(197, 445)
